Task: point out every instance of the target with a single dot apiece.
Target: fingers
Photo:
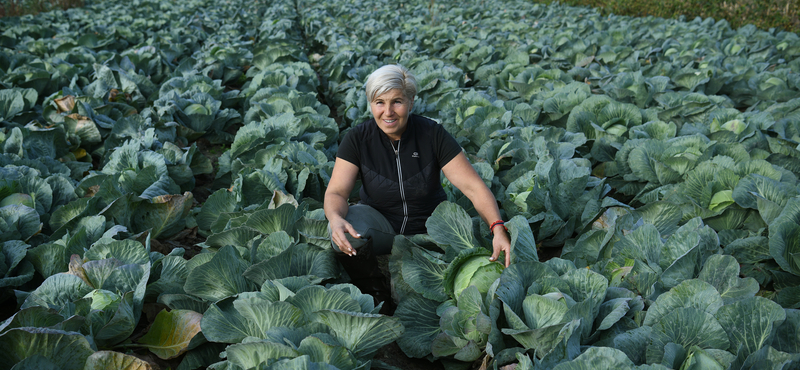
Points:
(340, 238)
(501, 247)
(344, 244)
(495, 254)
(345, 247)
(349, 250)
(352, 231)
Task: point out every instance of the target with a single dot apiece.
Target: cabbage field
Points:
(162, 168)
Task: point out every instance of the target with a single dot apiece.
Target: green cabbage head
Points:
(472, 268)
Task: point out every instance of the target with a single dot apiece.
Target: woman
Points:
(399, 157)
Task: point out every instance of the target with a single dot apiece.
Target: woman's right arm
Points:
(342, 181)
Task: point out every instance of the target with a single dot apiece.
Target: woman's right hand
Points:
(339, 229)
(342, 180)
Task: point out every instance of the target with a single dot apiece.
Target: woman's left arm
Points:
(461, 174)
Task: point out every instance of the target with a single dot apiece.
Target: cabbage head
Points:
(472, 268)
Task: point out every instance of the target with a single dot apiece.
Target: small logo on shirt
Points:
(415, 155)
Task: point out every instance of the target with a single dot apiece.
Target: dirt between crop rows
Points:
(392, 355)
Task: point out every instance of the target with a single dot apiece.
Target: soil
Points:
(549, 253)
(203, 183)
(186, 239)
(392, 355)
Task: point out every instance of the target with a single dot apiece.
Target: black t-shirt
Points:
(424, 148)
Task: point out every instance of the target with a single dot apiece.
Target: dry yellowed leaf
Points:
(76, 268)
(65, 104)
(102, 360)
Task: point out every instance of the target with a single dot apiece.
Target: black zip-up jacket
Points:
(401, 179)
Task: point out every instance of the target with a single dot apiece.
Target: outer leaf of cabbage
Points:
(690, 293)
(784, 237)
(418, 316)
(172, 278)
(634, 343)
(59, 292)
(36, 362)
(239, 237)
(297, 260)
(451, 227)
(523, 244)
(12, 254)
(219, 278)
(685, 327)
(172, 332)
(325, 353)
(362, 333)
(520, 278)
(113, 323)
(598, 358)
(252, 354)
(16, 100)
(722, 272)
(68, 349)
(547, 339)
(766, 357)
(250, 315)
(750, 323)
(115, 360)
(314, 298)
(18, 222)
(163, 215)
(303, 363)
(424, 271)
(41, 317)
(787, 335)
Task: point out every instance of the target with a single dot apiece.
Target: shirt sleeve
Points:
(349, 149)
(447, 146)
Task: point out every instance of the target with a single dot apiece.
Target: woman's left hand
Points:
(501, 242)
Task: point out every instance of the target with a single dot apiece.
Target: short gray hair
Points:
(390, 77)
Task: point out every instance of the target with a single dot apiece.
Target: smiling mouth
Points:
(390, 121)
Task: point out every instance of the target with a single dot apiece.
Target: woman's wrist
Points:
(497, 225)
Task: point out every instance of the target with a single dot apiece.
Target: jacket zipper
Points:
(402, 190)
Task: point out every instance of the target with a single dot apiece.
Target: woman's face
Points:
(391, 112)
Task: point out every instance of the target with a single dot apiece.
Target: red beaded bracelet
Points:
(498, 222)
